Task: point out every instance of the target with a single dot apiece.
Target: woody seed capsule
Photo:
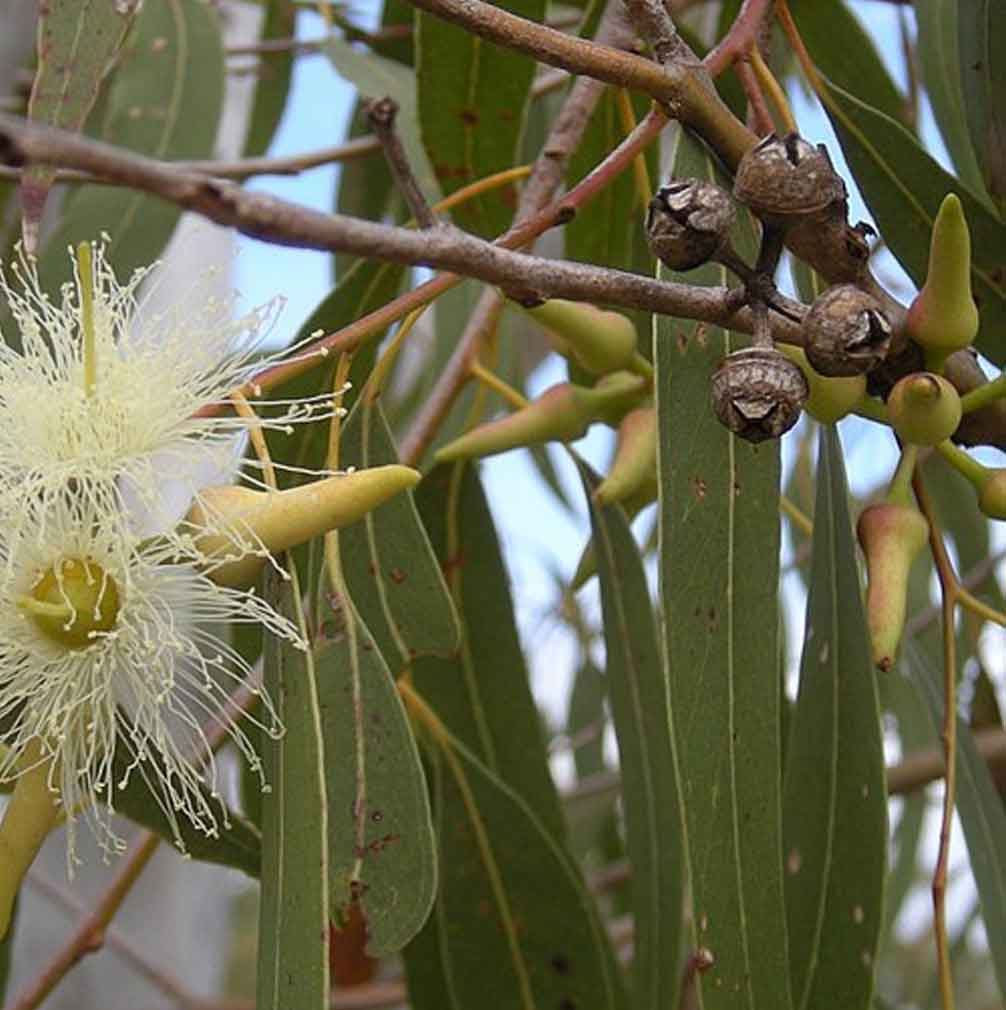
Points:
(845, 332)
(758, 393)
(688, 222)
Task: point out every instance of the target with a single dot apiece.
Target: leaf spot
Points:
(793, 862)
(857, 914)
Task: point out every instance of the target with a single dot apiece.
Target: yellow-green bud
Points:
(943, 317)
(634, 469)
(992, 495)
(616, 394)
(830, 399)
(33, 810)
(562, 413)
(924, 408)
(598, 340)
(891, 535)
(249, 525)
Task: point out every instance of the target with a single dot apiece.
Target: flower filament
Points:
(89, 350)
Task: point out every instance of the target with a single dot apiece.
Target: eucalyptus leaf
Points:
(272, 79)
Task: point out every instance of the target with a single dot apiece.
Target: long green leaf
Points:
(391, 571)
(293, 916)
(164, 101)
(516, 926)
(472, 100)
(719, 573)
(980, 809)
(938, 55)
(640, 705)
(981, 38)
(78, 40)
(904, 187)
(272, 79)
(380, 843)
(835, 799)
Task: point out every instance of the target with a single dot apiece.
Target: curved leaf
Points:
(835, 797)
(272, 78)
(637, 685)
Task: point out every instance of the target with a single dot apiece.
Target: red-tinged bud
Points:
(943, 317)
(992, 496)
(562, 413)
(634, 469)
(598, 340)
(830, 399)
(236, 529)
(891, 536)
(924, 408)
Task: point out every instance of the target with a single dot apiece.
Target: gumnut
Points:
(830, 399)
(891, 535)
(598, 340)
(236, 528)
(943, 317)
(924, 408)
(992, 495)
(845, 332)
(758, 393)
(33, 810)
(633, 471)
(688, 222)
(784, 179)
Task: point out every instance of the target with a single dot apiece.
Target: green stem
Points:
(963, 463)
(984, 395)
(872, 409)
(899, 491)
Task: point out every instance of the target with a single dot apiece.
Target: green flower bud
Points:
(598, 340)
(992, 495)
(246, 526)
(943, 317)
(634, 469)
(616, 394)
(924, 408)
(830, 399)
(891, 536)
(33, 811)
(562, 413)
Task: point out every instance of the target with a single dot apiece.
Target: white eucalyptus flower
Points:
(110, 646)
(102, 393)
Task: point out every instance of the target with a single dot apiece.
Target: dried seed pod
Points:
(758, 393)
(782, 179)
(846, 332)
(688, 222)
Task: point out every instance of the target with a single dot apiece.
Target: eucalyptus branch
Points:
(743, 34)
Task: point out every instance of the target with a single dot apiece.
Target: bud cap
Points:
(924, 408)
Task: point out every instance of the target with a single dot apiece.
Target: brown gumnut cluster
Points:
(758, 392)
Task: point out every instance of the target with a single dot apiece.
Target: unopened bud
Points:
(758, 394)
(992, 495)
(783, 179)
(845, 332)
(830, 399)
(688, 222)
(598, 340)
(924, 408)
(943, 317)
(633, 471)
(891, 536)
(33, 810)
(237, 528)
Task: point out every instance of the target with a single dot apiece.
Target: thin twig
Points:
(742, 34)
(758, 110)
(381, 114)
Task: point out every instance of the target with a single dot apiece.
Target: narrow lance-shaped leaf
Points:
(78, 40)
(164, 101)
(272, 78)
(980, 809)
(380, 837)
(719, 575)
(515, 923)
(835, 798)
(637, 685)
(293, 916)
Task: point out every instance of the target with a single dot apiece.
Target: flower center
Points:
(73, 602)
